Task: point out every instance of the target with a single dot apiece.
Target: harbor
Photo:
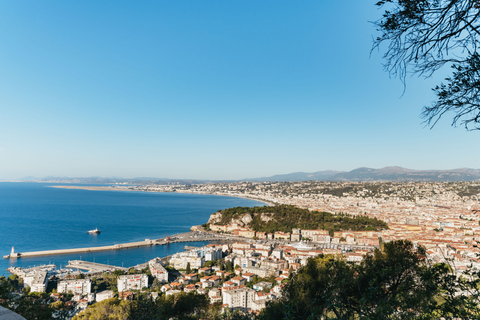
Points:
(193, 236)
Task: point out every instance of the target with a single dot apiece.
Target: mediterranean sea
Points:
(34, 216)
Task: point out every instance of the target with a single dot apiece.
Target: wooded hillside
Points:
(285, 217)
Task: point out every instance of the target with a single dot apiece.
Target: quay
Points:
(184, 237)
(188, 248)
(92, 266)
(147, 242)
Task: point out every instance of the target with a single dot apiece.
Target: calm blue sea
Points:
(34, 216)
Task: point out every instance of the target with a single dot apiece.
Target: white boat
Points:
(94, 231)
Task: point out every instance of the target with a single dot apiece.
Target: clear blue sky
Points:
(208, 89)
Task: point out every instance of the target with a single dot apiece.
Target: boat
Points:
(94, 231)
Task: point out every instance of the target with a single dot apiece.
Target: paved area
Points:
(6, 314)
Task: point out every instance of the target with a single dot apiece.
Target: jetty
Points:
(92, 266)
(184, 237)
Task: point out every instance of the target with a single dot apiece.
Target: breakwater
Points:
(184, 237)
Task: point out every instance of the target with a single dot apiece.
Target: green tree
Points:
(189, 268)
(118, 273)
(177, 307)
(188, 305)
(6, 289)
(112, 309)
(60, 310)
(14, 280)
(33, 306)
(143, 308)
(156, 284)
(394, 283)
(228, 266)
(80, 276)
(423, 36)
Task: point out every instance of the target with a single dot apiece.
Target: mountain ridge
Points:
(391, 173)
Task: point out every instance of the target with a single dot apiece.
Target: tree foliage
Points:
(425, 35)
(32, 306)
(180, 306)
(113, 309)
(396, 283)
(285, 217)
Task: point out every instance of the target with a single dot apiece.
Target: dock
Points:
(184, 237)
(147, 242)
(92, 266)
(188, 248)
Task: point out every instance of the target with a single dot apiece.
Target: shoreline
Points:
(103, 188)
(127, 245)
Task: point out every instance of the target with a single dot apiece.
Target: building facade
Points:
(78, 286)
(241, 298)
(132, 282)
(157, 270)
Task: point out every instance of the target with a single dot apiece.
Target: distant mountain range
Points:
(299, 176)
(360, 174)
(384, 174)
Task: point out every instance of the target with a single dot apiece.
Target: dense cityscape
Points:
(443, 217)
(252, 267)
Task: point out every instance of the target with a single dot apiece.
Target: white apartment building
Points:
(241, 298)
(79, 286)
(157, 270)
(181, 259)
(37, 281)
(262, 272)
(311, 233)
(212, 254)
(103, 295)
(132, 282)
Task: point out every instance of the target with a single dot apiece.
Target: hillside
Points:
(285, 217)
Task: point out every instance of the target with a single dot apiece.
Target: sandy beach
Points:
(114, 188)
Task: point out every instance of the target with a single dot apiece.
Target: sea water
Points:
(35, 216)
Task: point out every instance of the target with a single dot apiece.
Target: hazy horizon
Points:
(26, 178)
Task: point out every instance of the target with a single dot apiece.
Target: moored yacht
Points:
(94, 231)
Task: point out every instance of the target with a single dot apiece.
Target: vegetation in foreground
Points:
(394, 283)
(285, 217)
(181, 306)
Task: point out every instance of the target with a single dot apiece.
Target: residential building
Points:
(239, 298)
(157, 270)
(77, 286)
(132, 282)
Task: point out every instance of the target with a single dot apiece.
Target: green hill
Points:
(285, 217)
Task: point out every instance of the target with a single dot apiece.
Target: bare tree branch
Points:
(423, 36)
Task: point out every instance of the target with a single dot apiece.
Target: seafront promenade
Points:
(183, 237)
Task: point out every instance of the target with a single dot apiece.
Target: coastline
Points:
(103, 188)
(77, 244)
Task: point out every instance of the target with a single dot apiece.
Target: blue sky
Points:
(208, 90)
